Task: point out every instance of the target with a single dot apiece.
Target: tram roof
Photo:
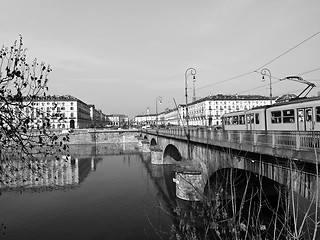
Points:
(292, 101)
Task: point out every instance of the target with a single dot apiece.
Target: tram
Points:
(301, 114)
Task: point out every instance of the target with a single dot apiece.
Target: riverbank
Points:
(96, 136)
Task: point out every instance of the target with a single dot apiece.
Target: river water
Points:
(114, 192)
(94, 197)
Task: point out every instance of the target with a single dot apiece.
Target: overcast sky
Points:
(122, 54)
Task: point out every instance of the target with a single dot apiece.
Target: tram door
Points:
(305, 119)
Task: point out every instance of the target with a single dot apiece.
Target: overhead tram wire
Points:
(226, 80)
(244, 74)
(317, 69)
(312, 36)
(264, 85)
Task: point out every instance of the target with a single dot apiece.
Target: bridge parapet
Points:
(301, 146)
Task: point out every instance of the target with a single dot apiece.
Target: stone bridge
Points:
(193, 174)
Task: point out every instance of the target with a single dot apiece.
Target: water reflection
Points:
(114, 192)
(111, 195)
(50, 173)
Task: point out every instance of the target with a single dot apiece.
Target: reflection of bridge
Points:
(286, 158)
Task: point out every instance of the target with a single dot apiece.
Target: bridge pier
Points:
(145, 146)
(156, 155)
(189, 186)
(189, 181)
(140, 141)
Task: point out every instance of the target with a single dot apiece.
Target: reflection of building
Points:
(52, 173)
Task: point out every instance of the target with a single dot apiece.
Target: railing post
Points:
(255, 138)
(298, 144)
(273, 144)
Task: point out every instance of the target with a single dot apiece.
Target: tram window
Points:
(241, 120)
(235, 120)
(300, 115)
(250, 118)
(257, 118)
(288, 116)
(308, 114)
(318, 114)
(227, 120)
(276, 117)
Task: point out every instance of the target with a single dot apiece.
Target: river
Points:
(112, 191)
(94, 197)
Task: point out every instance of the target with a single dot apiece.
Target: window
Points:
(276, 117)
(288, 116)
(318, 114)
(300, 115)
(235, 120)
(308, 114)
(250, 118)
(257, 118)
(241, 120)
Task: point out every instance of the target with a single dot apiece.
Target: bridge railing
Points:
(276, 139)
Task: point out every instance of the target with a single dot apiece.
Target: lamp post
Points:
(147, 114)
(189, 71)
(158, 99)
(266, 71)
(194, 89)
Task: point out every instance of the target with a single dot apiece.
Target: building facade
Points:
(64, 112)
(117, 121)
(206, 111)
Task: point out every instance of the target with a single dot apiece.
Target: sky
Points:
(121, 55)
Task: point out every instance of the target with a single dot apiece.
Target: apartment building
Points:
(61, 111)
(207, 111)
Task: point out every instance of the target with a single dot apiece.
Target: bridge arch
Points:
(171, 153)
(153, 142)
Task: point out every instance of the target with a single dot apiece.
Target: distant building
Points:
(117, 120)
(207, 111)
(143, 120)
(61, 112)
(98, 118)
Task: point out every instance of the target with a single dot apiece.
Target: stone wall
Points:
(91, 136)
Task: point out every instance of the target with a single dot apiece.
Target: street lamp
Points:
(147, 114)
(266, 71)
(189, 71)
(194, 90)
(158, 99)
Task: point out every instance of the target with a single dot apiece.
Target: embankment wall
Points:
(91, 136)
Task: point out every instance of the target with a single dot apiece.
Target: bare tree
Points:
(25, 131)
